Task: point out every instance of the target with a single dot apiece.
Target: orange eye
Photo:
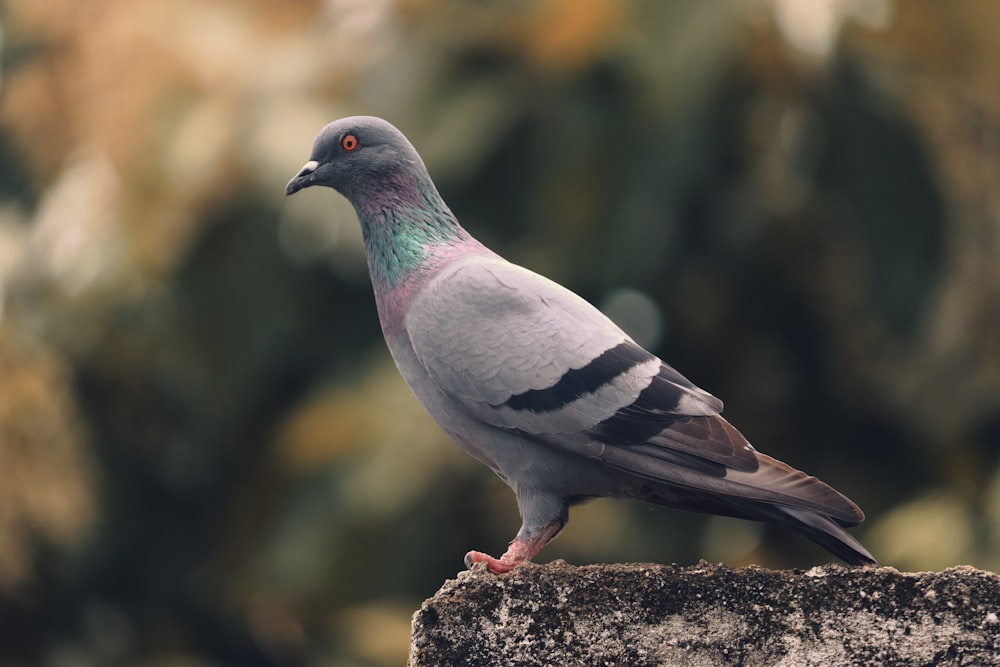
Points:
(349, 142)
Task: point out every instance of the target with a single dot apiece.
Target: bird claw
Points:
(495, 565)
(518, 553)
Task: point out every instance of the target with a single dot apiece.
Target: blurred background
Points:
(206, 455)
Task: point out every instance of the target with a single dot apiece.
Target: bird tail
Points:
(768, 491)
(822, 530)
(776, 493)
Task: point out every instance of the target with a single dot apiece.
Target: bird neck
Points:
(405, 230)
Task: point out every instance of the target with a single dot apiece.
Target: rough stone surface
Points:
(642, 614)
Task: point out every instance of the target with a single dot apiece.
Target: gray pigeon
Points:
(537, 383)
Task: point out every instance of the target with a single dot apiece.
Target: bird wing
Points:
(525, 354)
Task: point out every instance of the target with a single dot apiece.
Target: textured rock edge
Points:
(648, 614)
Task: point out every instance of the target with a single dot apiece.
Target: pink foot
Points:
(518, 553)
(497, 565)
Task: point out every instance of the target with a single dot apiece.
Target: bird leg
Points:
(518, 553)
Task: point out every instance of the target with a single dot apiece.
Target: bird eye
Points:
(349, 143)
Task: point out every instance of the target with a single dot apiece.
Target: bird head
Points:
(352, 154)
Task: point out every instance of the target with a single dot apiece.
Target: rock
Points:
(642, 614)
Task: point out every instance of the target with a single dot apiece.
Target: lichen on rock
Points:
(643, 614)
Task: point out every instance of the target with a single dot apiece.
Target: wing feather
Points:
(522, 353)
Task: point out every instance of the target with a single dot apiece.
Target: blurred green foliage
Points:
(206, 457)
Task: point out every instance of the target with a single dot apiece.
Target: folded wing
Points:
(522, 353)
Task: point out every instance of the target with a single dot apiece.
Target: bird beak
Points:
(303, 179)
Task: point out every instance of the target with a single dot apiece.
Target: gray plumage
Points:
(534, 381)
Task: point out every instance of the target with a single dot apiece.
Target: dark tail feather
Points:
(819, 528)
(824, 532)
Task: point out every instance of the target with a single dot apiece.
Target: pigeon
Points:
(535, 382)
